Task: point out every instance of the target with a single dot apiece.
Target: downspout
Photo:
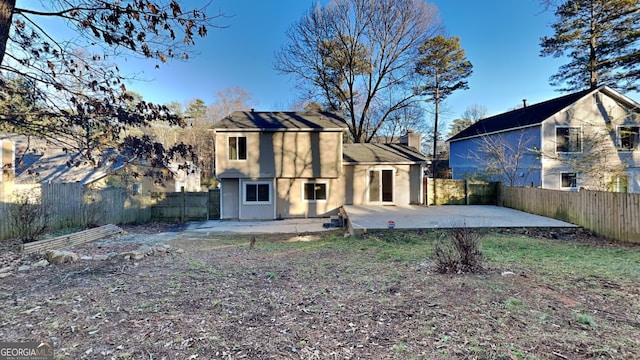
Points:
(541, 155)
(215, 171)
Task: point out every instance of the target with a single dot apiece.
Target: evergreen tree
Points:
(445, 67)
(601, 38)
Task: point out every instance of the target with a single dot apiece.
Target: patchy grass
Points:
(324, 296)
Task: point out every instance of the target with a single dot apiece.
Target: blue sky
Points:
(501, 39)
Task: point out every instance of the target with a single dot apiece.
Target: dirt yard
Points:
(310, 297)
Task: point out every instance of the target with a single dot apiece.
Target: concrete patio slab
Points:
(288, 226)
(363, 218)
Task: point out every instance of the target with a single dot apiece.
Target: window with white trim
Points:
(237, 148)
(569, 180)
(314, 191)
(618, 183)
(257, 192)
(628, 138)
(568, 139)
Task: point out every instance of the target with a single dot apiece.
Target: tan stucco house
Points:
(274, 165)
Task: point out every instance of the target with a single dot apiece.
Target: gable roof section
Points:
(41, 160)
(381, 154)
(527, 116)
(280, 121)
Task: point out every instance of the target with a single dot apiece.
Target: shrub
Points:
(459, 252)
(28, 216)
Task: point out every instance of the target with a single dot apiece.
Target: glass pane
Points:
(242, 148)
(321, 191)
(628, 137)
(569, 180)
(233, 148)
(561, 139)
(575, 144)
(251, 192)
(308, 191)
(374, 185)
(387, 185)
(263, 192)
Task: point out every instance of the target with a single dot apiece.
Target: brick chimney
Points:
(7, 160)
(411, 139)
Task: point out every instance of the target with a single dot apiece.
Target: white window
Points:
(314, 191)
(237, 148)
(257, 192)
(568, 139)
(569, 180)
(628, 138)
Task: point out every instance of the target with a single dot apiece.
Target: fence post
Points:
(183, 212)
(466, 191)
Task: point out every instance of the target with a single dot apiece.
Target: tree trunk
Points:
(435, 136)
(593, 60)
(6, 15)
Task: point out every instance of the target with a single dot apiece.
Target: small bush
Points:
(29, 217)
(459, 252)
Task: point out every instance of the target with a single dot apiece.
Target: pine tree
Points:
(601, 38)
(444, 65)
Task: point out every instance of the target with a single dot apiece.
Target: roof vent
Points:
(524, 103)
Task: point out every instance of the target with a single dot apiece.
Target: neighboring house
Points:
(31, 160)
(588, 139)
(273, 165)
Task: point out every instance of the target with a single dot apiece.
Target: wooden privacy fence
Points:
(460, 192)
(614, 215)
(75, 205)
(186, 206)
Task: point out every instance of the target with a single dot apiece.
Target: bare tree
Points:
(228, 100)
(470, 115)
(410, 118)
(474, 113)
(505, 158)
(29, 48)
(357, 57)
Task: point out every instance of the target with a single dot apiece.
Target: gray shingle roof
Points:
(45, 161)
(381, 153)
(278, 121)
(526, 116)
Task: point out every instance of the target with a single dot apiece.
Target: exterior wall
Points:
(416, 195)
(290, 201)
(407, 181)
(7, 158)
(147, 180)
(257, 211)
(290, 154)
(598, 117)
(467, 160)
(125, 179)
